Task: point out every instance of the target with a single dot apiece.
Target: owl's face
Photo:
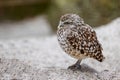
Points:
(72, 19)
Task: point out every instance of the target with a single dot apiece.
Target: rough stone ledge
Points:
(43, 59)
(13, 69)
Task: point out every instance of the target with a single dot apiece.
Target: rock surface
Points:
(43, 59)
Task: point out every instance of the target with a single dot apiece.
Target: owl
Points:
(78, 39)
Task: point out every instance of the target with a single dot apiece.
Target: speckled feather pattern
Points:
(79, 40)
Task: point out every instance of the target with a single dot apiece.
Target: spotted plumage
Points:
(78, 39)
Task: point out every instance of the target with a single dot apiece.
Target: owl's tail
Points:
(99, 58)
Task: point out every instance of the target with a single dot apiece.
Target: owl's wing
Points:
(84, 40)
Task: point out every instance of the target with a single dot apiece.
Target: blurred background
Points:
(29, 18)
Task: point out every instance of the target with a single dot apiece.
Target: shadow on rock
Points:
(86, 68)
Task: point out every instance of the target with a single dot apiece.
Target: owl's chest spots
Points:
(62, 38)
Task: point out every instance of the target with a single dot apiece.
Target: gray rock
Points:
(43, 59)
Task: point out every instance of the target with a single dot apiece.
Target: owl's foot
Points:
(76, 66)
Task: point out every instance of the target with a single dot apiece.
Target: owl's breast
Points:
(61, 36)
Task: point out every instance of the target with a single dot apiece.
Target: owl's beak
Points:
(60, 24)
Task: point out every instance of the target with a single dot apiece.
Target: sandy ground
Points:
(42, 58)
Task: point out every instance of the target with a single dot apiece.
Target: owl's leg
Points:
(75, 66)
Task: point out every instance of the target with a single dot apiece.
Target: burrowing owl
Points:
(78, 39)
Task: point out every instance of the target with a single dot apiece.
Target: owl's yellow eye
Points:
(68, 22)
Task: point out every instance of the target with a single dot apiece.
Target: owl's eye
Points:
(68, 22)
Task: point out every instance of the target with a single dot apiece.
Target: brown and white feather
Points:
(80, 41)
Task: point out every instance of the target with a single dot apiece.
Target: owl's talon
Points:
(75, 67)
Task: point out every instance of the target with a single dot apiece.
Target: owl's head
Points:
(72, 19)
